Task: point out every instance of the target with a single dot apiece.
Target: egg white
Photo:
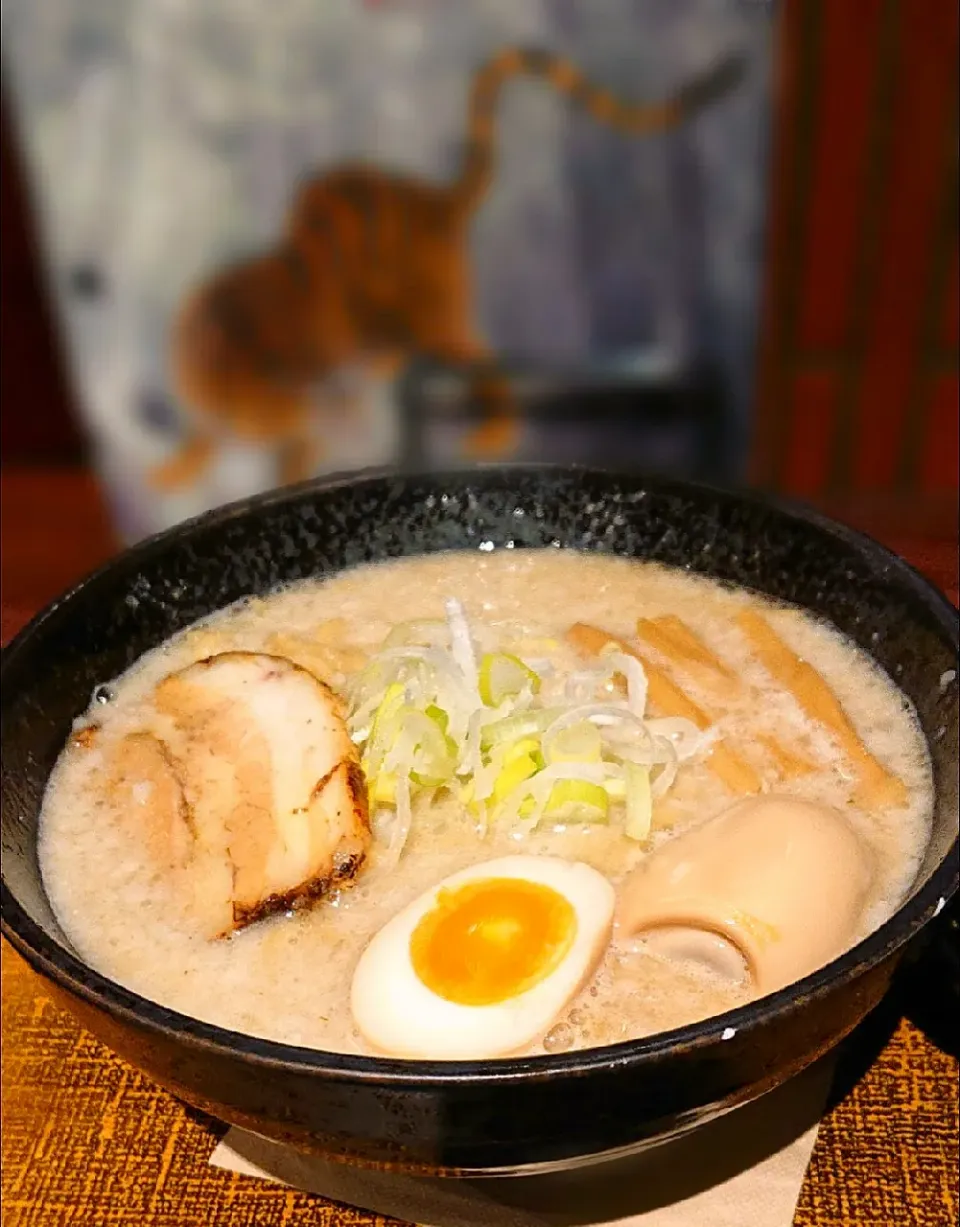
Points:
(398, 1015)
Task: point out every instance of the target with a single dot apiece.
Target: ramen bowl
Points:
(517, 1115)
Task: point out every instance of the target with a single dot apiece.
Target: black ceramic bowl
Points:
(480, 1117)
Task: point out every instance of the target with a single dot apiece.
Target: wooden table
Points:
(87, 1140)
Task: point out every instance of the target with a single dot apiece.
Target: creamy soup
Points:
(743, 724)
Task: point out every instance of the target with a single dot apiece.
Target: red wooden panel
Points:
(812, 409)
(939, 465)
(847, 77)
(925, 90)
(950, 331)
(782, 187)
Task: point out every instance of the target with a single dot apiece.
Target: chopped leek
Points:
(577, 801)
(427, 716)
(639, 803)
(526, 746)
(635, 675)
(503, 676)
(531, 723)
(461, 644)
(521, 768)
(383, 789)
(390, 704)
(580, 743)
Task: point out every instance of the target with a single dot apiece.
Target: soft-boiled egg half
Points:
(482, 963)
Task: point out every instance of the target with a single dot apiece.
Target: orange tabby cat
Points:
(372, 267)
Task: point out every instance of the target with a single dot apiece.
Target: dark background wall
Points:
(36, 415)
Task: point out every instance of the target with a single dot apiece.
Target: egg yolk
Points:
(490, 940)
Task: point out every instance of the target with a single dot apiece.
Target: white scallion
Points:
(427, 716)
(635, 675)
(461, 643)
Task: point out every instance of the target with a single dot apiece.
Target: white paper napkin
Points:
(744, 1169)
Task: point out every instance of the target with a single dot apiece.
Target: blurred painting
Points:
(299, 238)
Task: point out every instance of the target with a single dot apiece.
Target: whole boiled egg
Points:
(482, 963)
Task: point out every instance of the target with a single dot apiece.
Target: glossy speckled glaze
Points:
(509, 1116)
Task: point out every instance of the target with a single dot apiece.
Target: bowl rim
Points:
(72, 974)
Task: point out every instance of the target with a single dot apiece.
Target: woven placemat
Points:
(88, 1140)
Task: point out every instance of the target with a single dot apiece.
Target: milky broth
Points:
(288, 978)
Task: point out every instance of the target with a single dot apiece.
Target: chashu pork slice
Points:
(143, 782)
(271, 780)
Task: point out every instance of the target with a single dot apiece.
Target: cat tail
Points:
(634, 119)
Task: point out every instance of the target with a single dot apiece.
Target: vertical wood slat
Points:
(813, 410)
(782, 190)
(950, 312)
(940, 460)
(863, 262)
(929, 358)
(848, 62)
(928, 50)
(868, 238)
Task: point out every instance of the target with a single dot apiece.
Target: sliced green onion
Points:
(580, 743)
(442, 721)
(529, 746)
(426, 780)
(503, 676)
(419, 748)
(633, 671)
(426, 716)
(461, 643)
(683, 735)
(512, 728)
(639, 803)
(390, 704)
(383, 789)
(512, 775)
(577, 801)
